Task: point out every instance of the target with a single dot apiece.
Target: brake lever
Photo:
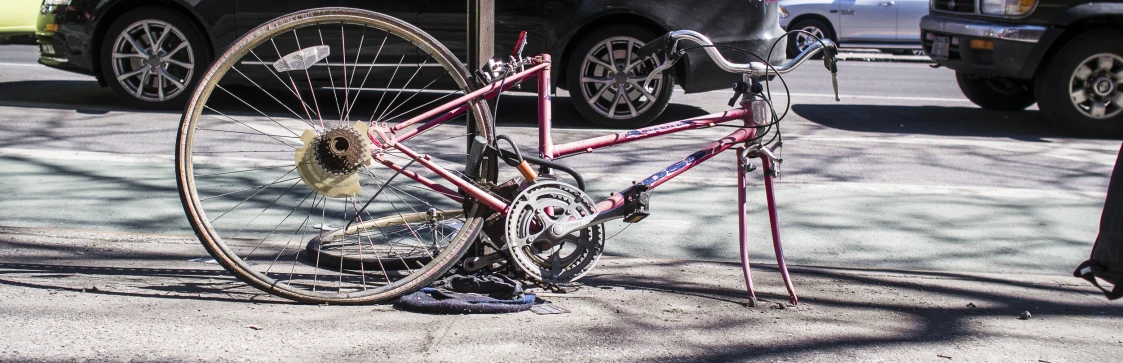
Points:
(830, 60)
(667, 63)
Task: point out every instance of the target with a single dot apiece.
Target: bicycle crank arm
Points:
(477, 263)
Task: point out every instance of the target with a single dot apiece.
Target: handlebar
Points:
(668, 43)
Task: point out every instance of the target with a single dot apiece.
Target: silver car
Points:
(889, 25)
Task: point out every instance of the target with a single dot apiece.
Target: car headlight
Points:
(783, 12)
(56, 2)
(1008, 7)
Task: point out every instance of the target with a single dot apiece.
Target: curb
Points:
(880, 57)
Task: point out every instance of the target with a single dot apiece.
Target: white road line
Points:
(21, 65)
(74, 155)
(845, 96)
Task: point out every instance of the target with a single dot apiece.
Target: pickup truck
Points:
(1065, 55)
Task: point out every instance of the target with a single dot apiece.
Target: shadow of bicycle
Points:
(930, 120)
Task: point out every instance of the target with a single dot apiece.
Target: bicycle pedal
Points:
(638, 203)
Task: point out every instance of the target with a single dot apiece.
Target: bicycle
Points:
(300, 200)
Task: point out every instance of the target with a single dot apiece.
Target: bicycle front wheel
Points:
(281, 181)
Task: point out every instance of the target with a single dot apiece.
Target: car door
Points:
(447, 21)
(867, 20)
(252, 13)
(909, 13)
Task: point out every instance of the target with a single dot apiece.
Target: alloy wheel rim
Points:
(612, 77)
(1095, 86)
(153, 61)
(803, 40)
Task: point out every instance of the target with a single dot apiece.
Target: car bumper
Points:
(1012, 50)
(63, 42)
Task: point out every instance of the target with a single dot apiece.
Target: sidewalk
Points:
(107, 296)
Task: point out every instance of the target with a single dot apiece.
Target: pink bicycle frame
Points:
(748, 113)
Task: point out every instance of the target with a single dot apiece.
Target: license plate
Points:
(939, 48)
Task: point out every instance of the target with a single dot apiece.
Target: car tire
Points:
(1081, 91)
(153, 80)
(594, 85)
(993, 94)
(799, 41)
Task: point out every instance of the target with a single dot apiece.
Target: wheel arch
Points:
(819, 17)
(1057, 37)
(115, 10)
(603, 21)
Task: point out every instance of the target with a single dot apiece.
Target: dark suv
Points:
(1066, 55)
(94, 36)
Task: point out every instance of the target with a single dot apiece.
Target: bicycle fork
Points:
(743, 167)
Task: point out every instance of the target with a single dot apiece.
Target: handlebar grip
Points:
(655, 46)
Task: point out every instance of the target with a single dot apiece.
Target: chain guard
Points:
(564, 260)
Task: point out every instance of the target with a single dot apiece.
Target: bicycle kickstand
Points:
(769, 171)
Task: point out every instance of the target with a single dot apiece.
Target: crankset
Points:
(547, 207)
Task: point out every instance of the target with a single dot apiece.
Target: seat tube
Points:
(545, 114)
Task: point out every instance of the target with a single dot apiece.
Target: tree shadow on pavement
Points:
(843, 310)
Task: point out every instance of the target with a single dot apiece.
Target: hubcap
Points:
(612, 78)
(152, 60)
(1094, 86)
(802, 40)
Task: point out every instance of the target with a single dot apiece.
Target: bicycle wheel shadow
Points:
(930, 120)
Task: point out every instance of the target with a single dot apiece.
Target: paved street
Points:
(903, 175)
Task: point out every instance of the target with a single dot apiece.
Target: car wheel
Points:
(605, 79)
(1082, 90)
(152, 58)
(799, 41)
(995, 94)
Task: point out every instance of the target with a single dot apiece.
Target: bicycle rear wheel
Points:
(276, 171)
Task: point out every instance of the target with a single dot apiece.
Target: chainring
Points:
(540, 207)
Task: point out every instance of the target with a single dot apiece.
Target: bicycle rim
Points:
(274, 164)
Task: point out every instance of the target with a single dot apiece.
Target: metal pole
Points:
(481, 38)
(481, 32)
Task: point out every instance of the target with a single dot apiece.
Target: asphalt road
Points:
(904, 173)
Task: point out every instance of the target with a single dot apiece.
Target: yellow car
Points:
(17, 17)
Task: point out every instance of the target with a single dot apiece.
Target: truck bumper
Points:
(999, 50)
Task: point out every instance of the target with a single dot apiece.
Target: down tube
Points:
(683, 165)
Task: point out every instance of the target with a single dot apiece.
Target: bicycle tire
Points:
(222, 245)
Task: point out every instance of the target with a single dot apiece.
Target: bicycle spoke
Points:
(334, 91)
(247, 133)
(259, 189)
(411, 77)
(388, 83)
(278, 77)
(364, 82)
(311, 89)
(268, 204)
(274, 137)
(267, 93)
